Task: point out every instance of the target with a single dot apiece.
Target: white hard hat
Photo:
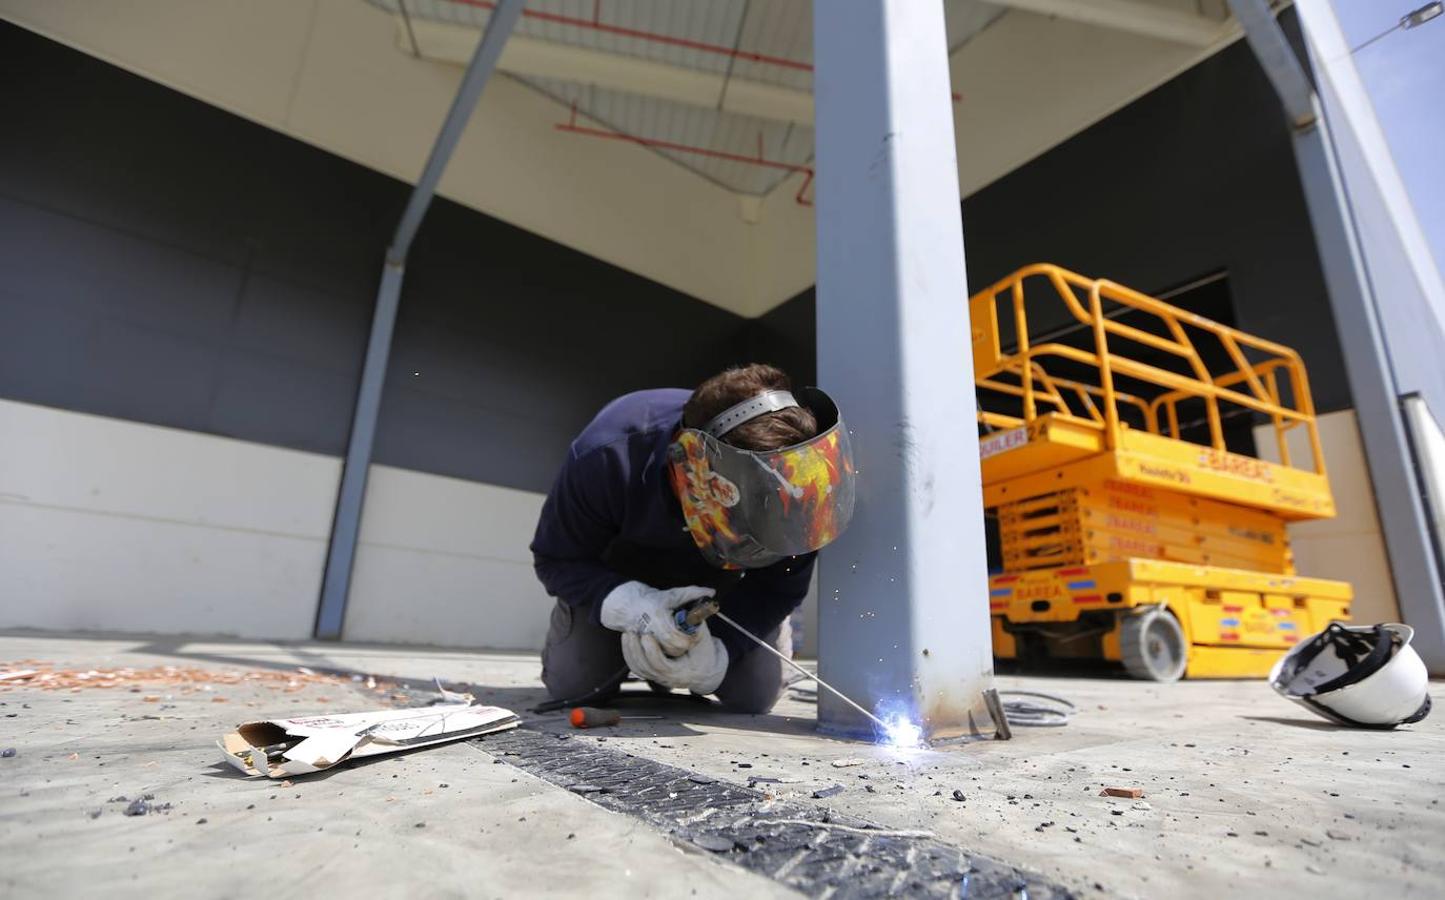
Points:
(1366, 676)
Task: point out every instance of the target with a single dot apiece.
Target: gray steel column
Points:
(347, 524)
(1377, 400)
(903, 595)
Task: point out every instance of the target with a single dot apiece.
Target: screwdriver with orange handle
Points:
(688, 618)
(592, 717)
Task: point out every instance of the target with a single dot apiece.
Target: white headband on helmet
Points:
(749, 409)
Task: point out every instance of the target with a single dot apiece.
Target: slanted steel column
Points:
(347, 524)
(1378, 409)
(903, 595)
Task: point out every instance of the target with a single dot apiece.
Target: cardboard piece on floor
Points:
(283, 748)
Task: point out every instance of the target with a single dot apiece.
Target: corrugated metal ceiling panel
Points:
(710, 23)
(720, 36)
(782, 29)
(703, 21)
(710, 30)
(708, 132)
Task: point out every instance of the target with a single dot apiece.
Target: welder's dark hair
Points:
(727, 389)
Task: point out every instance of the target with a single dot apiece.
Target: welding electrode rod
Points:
(821, 683)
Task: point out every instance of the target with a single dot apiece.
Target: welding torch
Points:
(694, 614)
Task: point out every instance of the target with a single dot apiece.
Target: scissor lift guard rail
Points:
(1129, 530)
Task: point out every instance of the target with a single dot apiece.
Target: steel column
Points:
(1378, 410)
(351, 496)
(903, 596)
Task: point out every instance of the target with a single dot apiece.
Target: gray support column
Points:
(344, 530)
(1377, 399)
(903, 595)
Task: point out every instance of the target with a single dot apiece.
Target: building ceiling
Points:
(671, 138)
(712, 126)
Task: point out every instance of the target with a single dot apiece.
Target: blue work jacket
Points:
(612, 517)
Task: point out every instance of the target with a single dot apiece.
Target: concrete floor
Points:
(1244, 792)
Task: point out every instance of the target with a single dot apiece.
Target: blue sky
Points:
(1404, 73)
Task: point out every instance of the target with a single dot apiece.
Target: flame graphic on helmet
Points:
(735, 520)
(705, 496)
(810, 473)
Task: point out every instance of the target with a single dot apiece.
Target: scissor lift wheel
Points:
(1153, 646)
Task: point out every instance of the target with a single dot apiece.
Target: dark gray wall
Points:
(164, 261)
(786, 336)
(508, 344)
(1195, 177)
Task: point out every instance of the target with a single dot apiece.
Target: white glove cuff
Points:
(623, 606)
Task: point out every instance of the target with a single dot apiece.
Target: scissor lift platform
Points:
(1237, 622)
(1058, 451)
(1129, 531)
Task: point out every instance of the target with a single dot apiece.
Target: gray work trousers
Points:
(582, 659)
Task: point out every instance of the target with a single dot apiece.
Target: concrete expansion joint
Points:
(806, 847)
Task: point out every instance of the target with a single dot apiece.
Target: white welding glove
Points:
(635, 608)
(699, 670)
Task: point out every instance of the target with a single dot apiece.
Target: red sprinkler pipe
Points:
(595, 24)
(572, 127)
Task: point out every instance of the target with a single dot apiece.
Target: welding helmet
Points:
(1365, 676)
(746, 509)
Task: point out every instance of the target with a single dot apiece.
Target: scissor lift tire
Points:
(1153, 646)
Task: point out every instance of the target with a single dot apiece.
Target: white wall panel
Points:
(445, 561)
(66, 569)
(1348, 547)
(109, 524)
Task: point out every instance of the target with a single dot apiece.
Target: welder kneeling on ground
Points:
(667, 499)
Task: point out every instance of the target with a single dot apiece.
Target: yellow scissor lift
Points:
(1128, 530)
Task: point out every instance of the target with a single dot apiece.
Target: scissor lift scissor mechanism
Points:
(1129, 528)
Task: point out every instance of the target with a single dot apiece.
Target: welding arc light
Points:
(901, 731)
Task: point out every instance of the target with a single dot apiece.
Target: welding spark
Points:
(901, 732)
(898, 727)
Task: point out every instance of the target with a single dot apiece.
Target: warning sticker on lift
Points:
(1003, 441)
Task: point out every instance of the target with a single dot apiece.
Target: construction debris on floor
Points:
(32, 673)
(283, 748)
